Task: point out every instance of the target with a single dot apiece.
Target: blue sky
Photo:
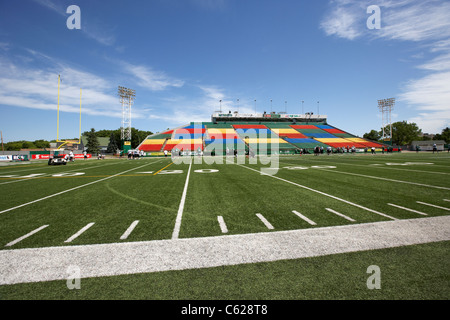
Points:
(183, 56)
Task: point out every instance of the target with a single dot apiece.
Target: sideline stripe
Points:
(162, 169)
(75, 188)
(340, 214)
(76, 235)
(304, 218)
(408, 209)
(446, 200)
(176, 230)
(433, 205)
(26, 236)
(129, 230)
(222, 224)
(264, 220)
(143, 257)
(322, 193)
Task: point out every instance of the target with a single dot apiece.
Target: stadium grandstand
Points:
(257, 133)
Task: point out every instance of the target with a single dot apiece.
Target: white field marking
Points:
(29, 177)
(383, 166)
(340, 214)
(447, 200)
(408, 209)
(76, 235)
(223, 226)
(304, 218)
(176, 230)
(71, 189)
(26, 236)
(129, 230)
(433, 205)
(386, 179)
(264, 220)
(323, 193)
(140, 257)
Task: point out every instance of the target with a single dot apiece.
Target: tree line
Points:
(137, 136)
(403, 133)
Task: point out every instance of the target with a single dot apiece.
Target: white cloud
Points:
(150, 79)
(423, 22)
(28, 87)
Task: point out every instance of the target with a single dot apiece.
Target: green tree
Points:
(403, 133)
(92, 145)
(445, 135)
(112, 146)
(372, 135)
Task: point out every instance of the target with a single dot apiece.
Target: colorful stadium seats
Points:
(285, 137)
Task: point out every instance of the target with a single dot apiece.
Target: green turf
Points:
(417, 272)
(114, 193)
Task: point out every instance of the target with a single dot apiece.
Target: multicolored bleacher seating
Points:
(284, 137)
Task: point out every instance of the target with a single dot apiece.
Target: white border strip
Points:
(101, 260)
(26, 236)
(176, 230)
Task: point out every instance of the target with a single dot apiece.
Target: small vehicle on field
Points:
(57, 160)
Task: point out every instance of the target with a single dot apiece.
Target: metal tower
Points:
(386, 106)
(127, 97)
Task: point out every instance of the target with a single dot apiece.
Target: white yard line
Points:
(433, 205)
(82, 230)
(176, 230)
(19, 179)
(298, 214)
(407, 209)
(264, 220)
(385, 179)
(340, 214)
(129, 230)
(223, 226)
(323, 193)
(75, 188)
(26, 236)
(101, 260)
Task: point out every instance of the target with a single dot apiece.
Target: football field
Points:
(227, 228)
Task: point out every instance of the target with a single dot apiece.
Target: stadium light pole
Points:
(302, 107)
(255, 106)
(386, 106)
(79, 138)
(220, 106)
(318, 109)
(270, 105)
(238, 105)
(285, 106)
(57, 116)
(127, 96)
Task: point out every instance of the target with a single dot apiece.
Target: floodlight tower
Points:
(386, 106)
(127, 97)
